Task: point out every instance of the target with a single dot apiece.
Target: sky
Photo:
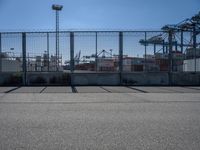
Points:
(94, 14)
(37, 15)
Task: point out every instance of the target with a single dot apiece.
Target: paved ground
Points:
(100, 89)
(57, 90)
(6, 89)
(90, 89)
(145, 118)
(28, 90)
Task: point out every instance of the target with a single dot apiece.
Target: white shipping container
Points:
(11, 65)
(189, 65)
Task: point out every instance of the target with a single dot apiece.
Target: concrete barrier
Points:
(48, 78)
(186, 78)
(142, 78)
(4, 77)
(150, 78)
(95, 79)
(10, 78)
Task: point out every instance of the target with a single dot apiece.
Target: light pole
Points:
(57, 8)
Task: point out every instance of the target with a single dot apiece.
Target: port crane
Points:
(191, 25)
(103, 53)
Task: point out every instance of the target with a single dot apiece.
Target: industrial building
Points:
(39, 63)
(12, 63)
(9, 63)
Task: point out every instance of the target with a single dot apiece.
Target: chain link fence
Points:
(100, 52)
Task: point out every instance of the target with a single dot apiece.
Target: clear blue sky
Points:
(36, 15)
(95, 14)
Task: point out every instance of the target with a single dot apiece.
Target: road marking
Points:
(137, 89)
(12, 90)
(43, 89)
(74, 90)
(105, 89)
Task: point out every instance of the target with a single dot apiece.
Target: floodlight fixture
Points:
(57, 7)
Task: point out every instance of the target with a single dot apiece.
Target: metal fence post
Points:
(154, 49)
(145, 53)
(163, 42)
(24, 58)
(120, 55)
(48, 49)
(170, 36)
(195, 47)
(0, 54)
(72, 51)
(96, 49)
(72, 56)
(181, 41)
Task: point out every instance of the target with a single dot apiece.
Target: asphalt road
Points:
(90, 121)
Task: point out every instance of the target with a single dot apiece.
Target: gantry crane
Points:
(188, 25)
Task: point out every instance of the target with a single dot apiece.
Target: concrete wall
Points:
(150, 78)
(9, 78)
(186, 78)
(153, 78)
(95, 79)
(48, 78)
(4, 77)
